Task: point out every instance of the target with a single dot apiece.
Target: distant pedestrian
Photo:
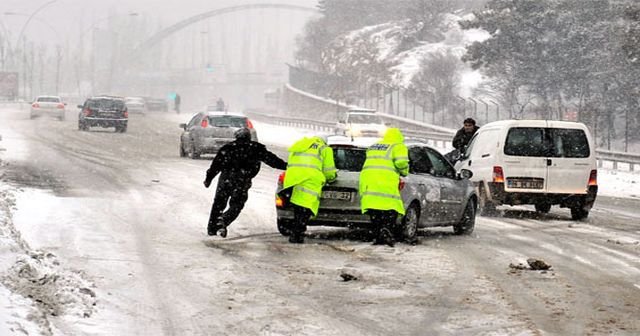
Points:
(220, 106)
(238, 162)
(176, 103)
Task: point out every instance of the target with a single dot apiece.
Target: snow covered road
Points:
(125, 218)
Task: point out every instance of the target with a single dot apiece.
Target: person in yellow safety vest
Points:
(380, 198)
(310, 166)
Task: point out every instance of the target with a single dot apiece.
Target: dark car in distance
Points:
(103, 111)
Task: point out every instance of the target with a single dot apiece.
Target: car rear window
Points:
(349, 158)
(547, 142)
(106, 104)
(227, 121)
(48, 99)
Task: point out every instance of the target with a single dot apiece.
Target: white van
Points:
(539, 162)
(361, 123)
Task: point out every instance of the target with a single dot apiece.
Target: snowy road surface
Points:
(113, 226)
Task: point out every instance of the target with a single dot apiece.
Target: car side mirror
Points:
(466, 174)
(183, 126)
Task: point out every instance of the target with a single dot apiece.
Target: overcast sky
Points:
(65, 17)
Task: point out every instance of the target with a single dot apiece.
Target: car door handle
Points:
(469, 162)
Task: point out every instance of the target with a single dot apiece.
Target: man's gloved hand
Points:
(206, 183)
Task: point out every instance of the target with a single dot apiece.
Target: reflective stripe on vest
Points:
(303, 165)
(308, 191)
(380, 167)
(379, 194)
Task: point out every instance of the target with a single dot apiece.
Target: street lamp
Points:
(32, 15)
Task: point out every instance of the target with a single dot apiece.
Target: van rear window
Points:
(547, 142)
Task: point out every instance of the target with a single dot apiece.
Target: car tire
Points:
(61, 118)
(543, 207)
(284, 226)
(182, 152)
(409, 229)
(485, 206)
(82, 126)
(193, 153)
(468, 221)
(579, 213)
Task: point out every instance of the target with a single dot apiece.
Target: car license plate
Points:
(337, 195)
(525, 184)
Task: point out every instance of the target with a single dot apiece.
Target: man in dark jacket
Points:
(238, 162)
(461, 139)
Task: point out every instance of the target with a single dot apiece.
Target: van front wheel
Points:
(486, 207)
(543, 207)
(579, 213)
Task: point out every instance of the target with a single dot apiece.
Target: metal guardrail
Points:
(433, 135)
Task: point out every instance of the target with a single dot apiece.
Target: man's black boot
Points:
(296, 238)
(222, 228)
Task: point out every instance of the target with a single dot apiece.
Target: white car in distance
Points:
(48, 105)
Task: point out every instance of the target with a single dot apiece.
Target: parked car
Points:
(156, 104)
(360, 123)
(135, 105)
(103, 111)
(539, 162)
(48, 105)
(206, 132)
(433, 193)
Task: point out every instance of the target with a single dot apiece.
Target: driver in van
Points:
(461, 139)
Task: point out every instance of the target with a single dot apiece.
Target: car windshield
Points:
(48, 99)
(227, 121)
(106, 104)
(364, 119)
(349, 158)
(547, 142)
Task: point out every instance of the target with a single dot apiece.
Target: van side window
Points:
(525, 141)
(441, 167)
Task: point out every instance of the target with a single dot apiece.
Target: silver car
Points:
(135, 105)
(433, 193)
(48, 105)
(206, 132)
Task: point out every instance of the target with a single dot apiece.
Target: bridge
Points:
(238, 50)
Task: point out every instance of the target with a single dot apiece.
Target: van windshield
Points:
(547, 142)
(363, 118)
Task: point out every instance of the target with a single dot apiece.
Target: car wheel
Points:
(182, 152)
(193, 153)
(579, 213)
(409, 229)
(61, 118)
(468, 220)
(486, 207)
(82, 126)
(284, 226)
(543, 207)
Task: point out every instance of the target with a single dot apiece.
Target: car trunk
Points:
(343, 193)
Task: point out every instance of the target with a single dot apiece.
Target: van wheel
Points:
(486, 207)
(468, 220)
(409, 229)
(579, 213)
(284, 226)
(543, 207)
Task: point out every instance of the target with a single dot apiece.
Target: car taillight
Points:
(126, 113)
(204, 123)
(401, 184)
(279, 202)
(593, 178)
(498, 175)
(249, 124)
(35, 105)
(60, 106)
(281, 178)
(86, 112)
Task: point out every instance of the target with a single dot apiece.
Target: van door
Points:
(570, 160)
(524, 164)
